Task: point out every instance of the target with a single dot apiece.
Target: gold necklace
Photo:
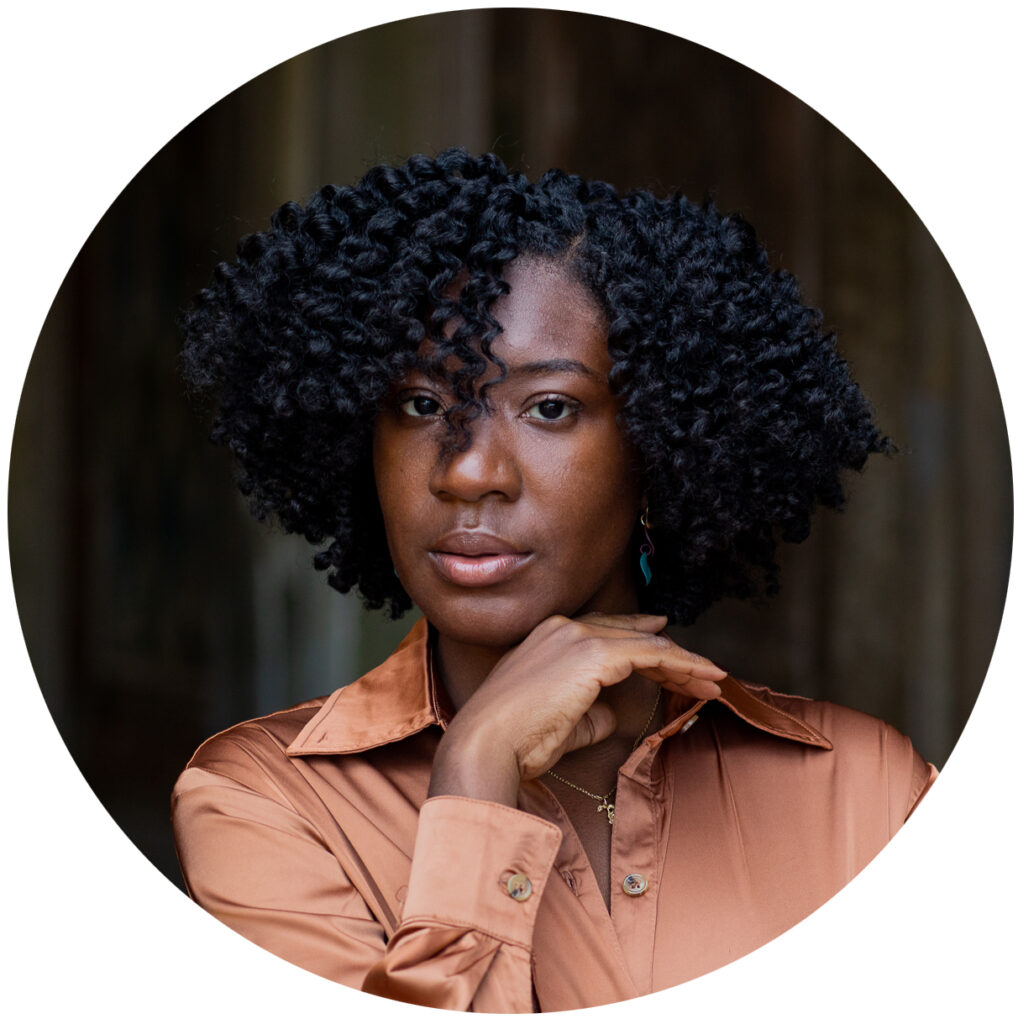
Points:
(604, 803)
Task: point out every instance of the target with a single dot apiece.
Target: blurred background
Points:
(156, 611)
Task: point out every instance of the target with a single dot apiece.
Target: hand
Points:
(541, 700)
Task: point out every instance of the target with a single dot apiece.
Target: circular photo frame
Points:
(155, 613)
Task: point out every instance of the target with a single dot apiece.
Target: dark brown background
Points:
(156, 612)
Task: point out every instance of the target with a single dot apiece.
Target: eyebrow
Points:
(527, 369)
(556, 366)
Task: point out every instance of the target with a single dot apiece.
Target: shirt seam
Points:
(730, 795)
(658, 812)
(546, 826)
(257, 723)
(450, 922)
(279, 798)
(920, 787)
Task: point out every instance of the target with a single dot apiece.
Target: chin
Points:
(485, 630)
(504, 616)
(487, 621)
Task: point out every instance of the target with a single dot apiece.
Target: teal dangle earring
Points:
(647, 548)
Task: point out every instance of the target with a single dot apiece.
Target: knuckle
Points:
(585, 730)
(576, 632)
(548, 627)
(590, 646)
(662, 643)
(554, 622)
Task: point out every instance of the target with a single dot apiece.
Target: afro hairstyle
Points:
(743, 414)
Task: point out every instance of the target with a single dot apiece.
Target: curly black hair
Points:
(741, 410)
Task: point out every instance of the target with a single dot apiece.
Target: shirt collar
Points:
(401, 697)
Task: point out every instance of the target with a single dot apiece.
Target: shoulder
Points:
(865, 752)
(252, 750)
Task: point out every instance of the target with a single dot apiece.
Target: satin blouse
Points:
(309, 832)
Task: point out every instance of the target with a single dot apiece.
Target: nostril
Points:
(488, 466)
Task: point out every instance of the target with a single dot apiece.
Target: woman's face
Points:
(535, 517)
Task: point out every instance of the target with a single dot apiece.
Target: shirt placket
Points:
(577, 957)
(637, 859)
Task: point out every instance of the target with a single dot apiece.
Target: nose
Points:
(488, 466)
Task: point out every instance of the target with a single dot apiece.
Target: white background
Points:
(90, 92)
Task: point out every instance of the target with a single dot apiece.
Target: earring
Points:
(647, 548)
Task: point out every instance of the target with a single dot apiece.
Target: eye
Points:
(551, 410)
(420, 405)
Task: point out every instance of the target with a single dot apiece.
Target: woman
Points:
(556, 419)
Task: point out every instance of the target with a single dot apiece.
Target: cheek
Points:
(601, 503)
(395, 484)
(611, 521)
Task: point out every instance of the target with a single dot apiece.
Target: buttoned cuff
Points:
(468, 861)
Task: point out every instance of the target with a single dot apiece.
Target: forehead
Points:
(548, 314)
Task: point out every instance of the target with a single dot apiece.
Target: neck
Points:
(462, 667)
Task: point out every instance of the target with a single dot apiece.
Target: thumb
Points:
(597, 723)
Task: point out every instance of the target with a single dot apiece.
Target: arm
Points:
(463, 942)
(260, 863)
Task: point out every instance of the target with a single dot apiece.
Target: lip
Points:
(477, 570)
(475, 542)
(474, 558)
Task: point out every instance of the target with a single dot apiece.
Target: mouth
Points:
(469, 558)
(477, 570)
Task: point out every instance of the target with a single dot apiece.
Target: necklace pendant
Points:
(610, 808)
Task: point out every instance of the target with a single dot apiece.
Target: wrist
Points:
(472, 766)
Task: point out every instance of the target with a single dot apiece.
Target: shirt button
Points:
(634, 885)
(519, 887)
(688, 723)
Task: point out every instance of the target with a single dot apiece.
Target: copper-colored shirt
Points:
(309, 832)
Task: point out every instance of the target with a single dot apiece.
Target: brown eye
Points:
(420, 405)
(551, 410)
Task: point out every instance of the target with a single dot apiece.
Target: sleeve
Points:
(909, 775)
(463, 942)
(923, 776)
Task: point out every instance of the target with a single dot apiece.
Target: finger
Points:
(596, 724)
(636, 625)
(664, 662)
(659, 643)
(701, 689)
(639, 621)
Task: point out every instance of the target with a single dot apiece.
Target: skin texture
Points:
(551, 657)
(548, 472)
